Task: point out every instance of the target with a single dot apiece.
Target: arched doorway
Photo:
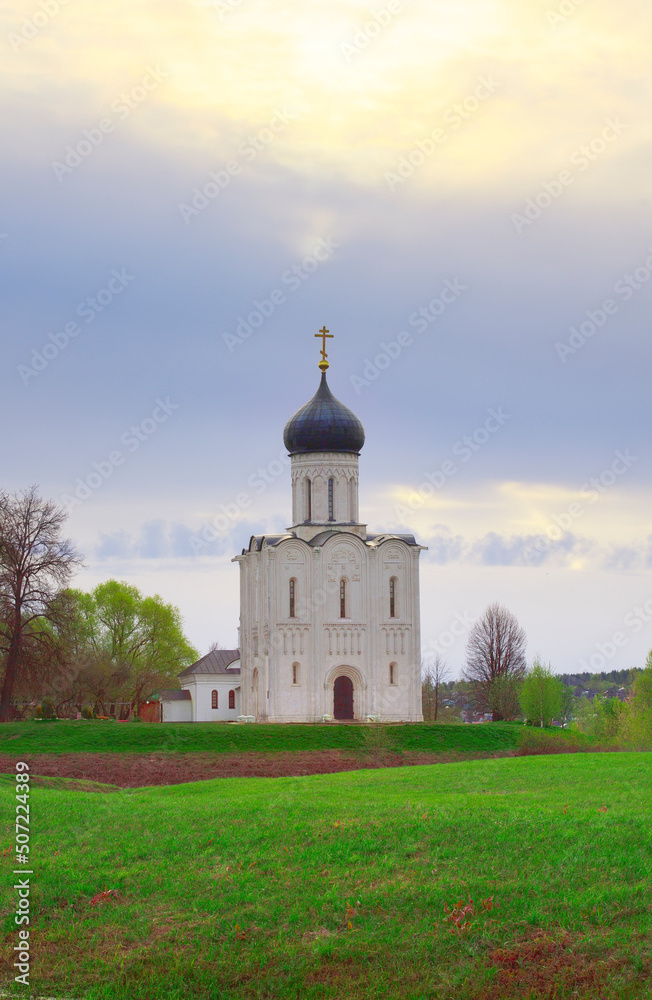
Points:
(343, 698)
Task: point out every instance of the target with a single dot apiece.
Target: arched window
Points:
(213, 699)
(293, 592)
(342, 598)
(392, 673)
(308, 500)
(331, 504)
(231, 699)
(295, 673)
(392, 597)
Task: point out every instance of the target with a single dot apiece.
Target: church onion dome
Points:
(323, 424)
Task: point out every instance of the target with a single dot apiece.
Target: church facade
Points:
(329, 612)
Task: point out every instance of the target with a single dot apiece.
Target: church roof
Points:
(323, 424)
(373, 540)
(215, 662)
(256, 541)
(391, 537)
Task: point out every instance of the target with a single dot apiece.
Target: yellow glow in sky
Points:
(366, 88)
(609, 515)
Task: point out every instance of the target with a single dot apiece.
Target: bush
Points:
(635, 719)
(636, 728)
(87, 713)
(534, 740)
(47, 709)
(449, 715)
(601, 719)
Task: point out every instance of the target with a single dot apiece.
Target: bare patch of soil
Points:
(134, 770)
(552, 965)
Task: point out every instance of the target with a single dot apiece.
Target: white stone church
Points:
(329, 613)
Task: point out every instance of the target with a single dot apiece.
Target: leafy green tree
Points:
(586, 715)
(602, 719)
(541, 694)
(610, 718)
(648, 662)
(636, 718)
(568, 704)
(125, 645)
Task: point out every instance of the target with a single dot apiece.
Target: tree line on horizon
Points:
(497, 683)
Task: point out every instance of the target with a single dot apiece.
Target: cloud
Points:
(323, 175)
(444, 547)
(225, 75)
(114, 545)
(535, 551)
(155, 540)
(160, 539)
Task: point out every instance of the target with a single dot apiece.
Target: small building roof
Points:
(215, 662)
(176, 695)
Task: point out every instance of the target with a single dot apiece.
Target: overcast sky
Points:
(459, 190)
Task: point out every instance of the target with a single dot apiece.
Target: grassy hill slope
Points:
(114, 737)
(337, 886)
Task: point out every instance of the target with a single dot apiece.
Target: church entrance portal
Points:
(343, 698)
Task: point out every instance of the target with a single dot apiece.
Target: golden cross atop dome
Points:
(324, 334)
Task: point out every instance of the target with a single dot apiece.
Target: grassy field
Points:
(23, 738)
(336, 886)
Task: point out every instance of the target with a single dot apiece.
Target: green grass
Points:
(237, 889)
(23, 738)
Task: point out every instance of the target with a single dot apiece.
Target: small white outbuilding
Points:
(175, 706)
(213, 686)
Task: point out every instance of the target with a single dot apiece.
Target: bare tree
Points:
(435, 674)
(495, 661)
(35, 562)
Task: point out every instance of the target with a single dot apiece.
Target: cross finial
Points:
(324, 334)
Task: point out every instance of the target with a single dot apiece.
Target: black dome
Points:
(323, 424)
